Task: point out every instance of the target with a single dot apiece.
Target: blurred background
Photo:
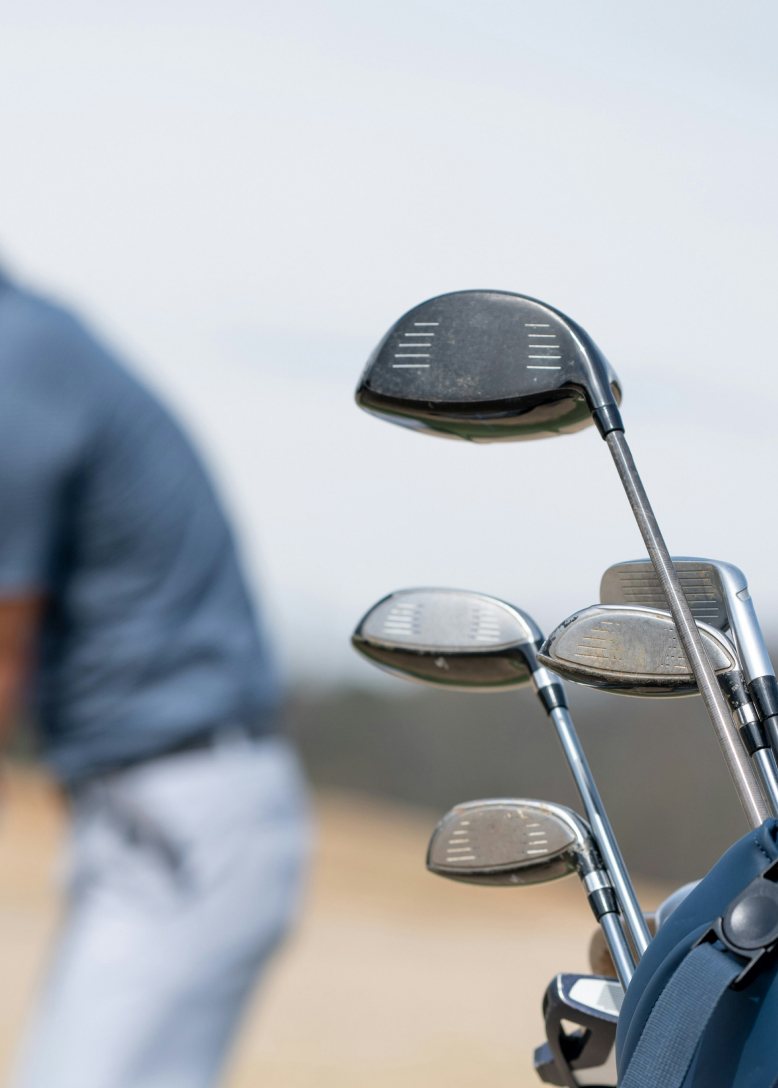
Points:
(242, 198)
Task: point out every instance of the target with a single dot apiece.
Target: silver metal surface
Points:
(507, 841)
(717, 593)
(514, 842)
(632, 649)
(737, 762)
(618, 947)
(594, 881)
(542, 678)
(450, 638)
(601, 829)
(446, 620)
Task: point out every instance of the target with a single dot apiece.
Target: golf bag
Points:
(702, 1008)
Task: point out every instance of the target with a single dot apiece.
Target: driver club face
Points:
(487, 366)
(451, 638)
(634, 650)
(509, 842)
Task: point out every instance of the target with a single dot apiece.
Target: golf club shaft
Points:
(618, 948)
(737, 762)
(601, 829)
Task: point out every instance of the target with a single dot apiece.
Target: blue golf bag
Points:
(702, 1008)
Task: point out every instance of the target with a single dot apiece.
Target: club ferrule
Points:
(764, 691)
(549, 689)
(753, 735)
(607, 419)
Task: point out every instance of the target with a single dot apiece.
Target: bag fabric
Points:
(739, 1047)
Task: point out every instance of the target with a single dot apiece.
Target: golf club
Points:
(592, 1003)
(718, 594)
(632, 649)
(513, 842)
(459, 639)
(492, 365)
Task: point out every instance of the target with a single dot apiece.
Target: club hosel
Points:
(764, 692)
(752, 733)
(607, 419)
(548, 686)
(600, 893)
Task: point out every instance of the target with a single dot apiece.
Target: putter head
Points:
(636, 582)
(488, 366)
(451, 638)
(633, 650)
(509, 842)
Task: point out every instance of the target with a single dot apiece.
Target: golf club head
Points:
(489, 366)
(451, 638)
(636, 582)
(634, 650)
(510, 842)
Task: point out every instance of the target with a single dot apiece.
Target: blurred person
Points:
(122, 601)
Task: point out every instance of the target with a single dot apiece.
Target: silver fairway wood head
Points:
(451, 638)
(633, 650)
(509, 842)
(488, 366)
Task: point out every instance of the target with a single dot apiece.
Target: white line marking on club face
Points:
(539, 357)
(417, 355)
(414, 366)
(418, 334)
(535, 325)
(543, 367)
(418, 324)
(468, 857)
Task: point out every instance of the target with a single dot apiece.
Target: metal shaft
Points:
(618, 947)
(601, 829)
(738, 764)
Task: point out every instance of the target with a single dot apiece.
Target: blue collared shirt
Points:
(149, 637)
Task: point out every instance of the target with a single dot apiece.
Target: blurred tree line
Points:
(656, 762)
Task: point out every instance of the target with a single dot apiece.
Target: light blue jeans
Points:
(185, 873)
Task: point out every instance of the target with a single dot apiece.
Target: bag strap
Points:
(677, 1022)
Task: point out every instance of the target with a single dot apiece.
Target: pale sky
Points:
(243, 197)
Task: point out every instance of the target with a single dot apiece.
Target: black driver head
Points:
(488, 366)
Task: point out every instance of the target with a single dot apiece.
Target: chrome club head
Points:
(489, 366)
(636, 582)
(451, 638)
(511, 842)
(633, 650)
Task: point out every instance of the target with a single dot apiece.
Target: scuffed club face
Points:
(487, 366)
(506, 841)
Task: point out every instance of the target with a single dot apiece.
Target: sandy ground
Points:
(394, 977)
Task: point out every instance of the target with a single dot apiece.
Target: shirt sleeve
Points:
(34, 463)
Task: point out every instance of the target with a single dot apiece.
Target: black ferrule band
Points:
(552, 696)
(771, 729)
(602, 901)
(764, 691)
(607, 419)
(753, 737)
